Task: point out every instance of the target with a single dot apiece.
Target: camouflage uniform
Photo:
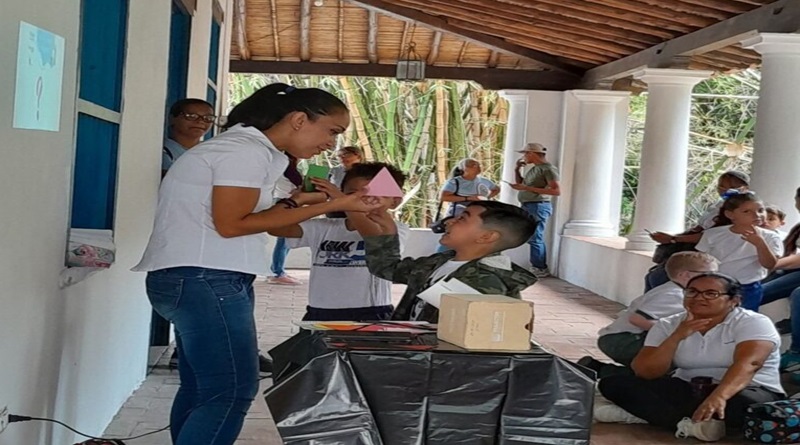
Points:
(494, 274)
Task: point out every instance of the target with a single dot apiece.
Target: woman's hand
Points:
(327, 188)
(519, 187)
(308, 198)
(713, 404)
(661, 237)
(689, 326)
(356, 202)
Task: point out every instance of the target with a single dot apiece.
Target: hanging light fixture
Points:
(410, 66)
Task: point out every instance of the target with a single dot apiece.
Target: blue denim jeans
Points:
(752, 293)
(279, 254)
(786, 285)
(540, 211)
(212, 311)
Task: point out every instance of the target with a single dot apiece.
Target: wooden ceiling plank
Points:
(557, 8)
(372, 37)
(340, 17)
(540, 18)
(569, 51)
(493, 78)
(438, 24)
(688, 8)
(240, 17)
(435, 44)
(657, 12)
(723, 5)
(780, 16)
(507, 30)
(305, 30)
(403, 41)
(273, 11)
(462, 52)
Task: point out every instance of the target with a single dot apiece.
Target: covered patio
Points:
(567, 320)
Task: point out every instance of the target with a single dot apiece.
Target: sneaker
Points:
(607, 412)
(264, 366)
(784, 326)
(285, 280)
(540, 273)
(790, 361)
(707, 431)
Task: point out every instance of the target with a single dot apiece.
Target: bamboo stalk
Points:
(355, 115)
(441, 134)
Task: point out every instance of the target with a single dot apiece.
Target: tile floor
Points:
(567, 320)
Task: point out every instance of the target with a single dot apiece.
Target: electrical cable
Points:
(12, 418)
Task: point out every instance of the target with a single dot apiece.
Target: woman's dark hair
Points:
(267, 106)
(732, 286)
(733, 200)
(180, 106)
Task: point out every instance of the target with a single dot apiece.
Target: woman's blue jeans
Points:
(786, 285)
(212, 311)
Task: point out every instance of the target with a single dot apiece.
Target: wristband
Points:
(289, 203)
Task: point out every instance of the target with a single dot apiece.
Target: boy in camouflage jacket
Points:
(476, 239)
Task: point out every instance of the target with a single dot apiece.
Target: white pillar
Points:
(591, 211)
(516, 138)
(661, 195)
(775, 175)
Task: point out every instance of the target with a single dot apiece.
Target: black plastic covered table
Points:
(378, 389)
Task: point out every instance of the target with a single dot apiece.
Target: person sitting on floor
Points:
(624, 338)
(477, 237)
(725, 359)
(341, 288)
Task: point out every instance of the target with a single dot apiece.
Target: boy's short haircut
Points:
(688, 261)
(740, 177)
(514, 224)
(775, 210)
(369, 170)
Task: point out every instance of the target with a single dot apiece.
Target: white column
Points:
(591, 211)
(516, 138)
(661, 195)
(775, 175)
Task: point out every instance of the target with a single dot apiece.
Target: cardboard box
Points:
(486, 322)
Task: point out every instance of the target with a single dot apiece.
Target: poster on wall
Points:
(40, 69)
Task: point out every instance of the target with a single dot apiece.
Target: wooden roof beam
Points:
(240, 17)
(340, 48)
(274, 17)
(781, 16)
(434, 53)
(305, 29)
(437, 24)
(494, 58)
(372, 38)
(490, 78)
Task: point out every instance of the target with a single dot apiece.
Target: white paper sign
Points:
(433, 294)
(40, 70)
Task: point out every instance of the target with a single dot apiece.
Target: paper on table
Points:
(384, 185)
(433, 294)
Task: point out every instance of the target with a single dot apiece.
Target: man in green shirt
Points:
(536, 189)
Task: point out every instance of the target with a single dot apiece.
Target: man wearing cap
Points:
(536, 189)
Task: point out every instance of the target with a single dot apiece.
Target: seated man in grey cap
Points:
(536, 188)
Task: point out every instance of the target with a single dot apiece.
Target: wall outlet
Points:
(3, 418)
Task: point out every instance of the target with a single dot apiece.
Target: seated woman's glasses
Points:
(706, 294)
(208, 118)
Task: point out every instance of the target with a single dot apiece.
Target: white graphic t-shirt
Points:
(339, 275)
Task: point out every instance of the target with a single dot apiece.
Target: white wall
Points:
(76, 354)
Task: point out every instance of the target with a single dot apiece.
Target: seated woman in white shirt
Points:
(207, 246)
(725, 358)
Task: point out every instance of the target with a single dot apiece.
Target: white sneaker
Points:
(707, 431)
(540, 273)
(606, 412)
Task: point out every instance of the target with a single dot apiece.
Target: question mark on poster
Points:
(39, 86)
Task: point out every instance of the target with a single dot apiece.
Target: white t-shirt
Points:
(445, 270)
(184, 232)
(283, 188)
(660, 302)
(339, 277)
(706, 220)
(711, 354)
(737, 257)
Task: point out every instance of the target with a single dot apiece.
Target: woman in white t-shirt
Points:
(725, 358)
(745, 250)
(215, 205)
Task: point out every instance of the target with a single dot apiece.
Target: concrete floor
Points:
(566, 322)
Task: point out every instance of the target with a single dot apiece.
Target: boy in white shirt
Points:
(624, 337)
(341, 288)
(776, 218)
